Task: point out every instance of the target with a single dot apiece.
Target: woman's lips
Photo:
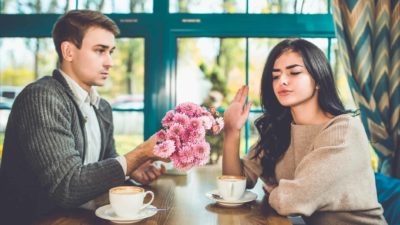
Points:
(284, 92)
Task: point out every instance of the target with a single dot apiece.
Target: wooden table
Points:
(186, 203)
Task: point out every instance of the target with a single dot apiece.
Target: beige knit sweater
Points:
(325, 175)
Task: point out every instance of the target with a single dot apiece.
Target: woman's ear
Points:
(67, 51)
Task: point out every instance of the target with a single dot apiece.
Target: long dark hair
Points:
(274, 125)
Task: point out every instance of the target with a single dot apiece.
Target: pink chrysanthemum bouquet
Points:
(182, 138)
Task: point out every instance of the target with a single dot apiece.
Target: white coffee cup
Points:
(127, 201)
(231, 188)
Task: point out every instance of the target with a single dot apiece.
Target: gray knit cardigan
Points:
(42, 165)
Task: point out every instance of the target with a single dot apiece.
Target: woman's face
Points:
(293, 85)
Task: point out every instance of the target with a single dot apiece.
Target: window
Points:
(24, 60)
(165, 46)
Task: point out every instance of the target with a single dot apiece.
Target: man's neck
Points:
(70, 73)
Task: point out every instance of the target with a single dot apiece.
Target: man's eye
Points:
(101, 51)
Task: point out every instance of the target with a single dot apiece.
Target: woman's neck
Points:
(309, 114)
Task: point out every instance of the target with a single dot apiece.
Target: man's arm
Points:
(51, 147)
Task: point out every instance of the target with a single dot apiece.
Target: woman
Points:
(312, 154)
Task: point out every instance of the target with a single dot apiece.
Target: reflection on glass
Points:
(37, 6)
(215, 65)
(209, 71)
(340, 77)
(24, 60)
(117, 6)
(201, 6)
(288, 6)
(125, 91)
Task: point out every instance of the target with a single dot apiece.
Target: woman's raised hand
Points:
(237, 112)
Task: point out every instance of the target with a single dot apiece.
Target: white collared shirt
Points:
(86, 101)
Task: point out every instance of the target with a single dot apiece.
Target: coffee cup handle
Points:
(149, 202)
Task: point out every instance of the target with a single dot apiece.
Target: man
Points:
(58, 149)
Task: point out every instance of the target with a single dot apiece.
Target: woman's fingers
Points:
(239, 94)
(243, 96)
(247, 109)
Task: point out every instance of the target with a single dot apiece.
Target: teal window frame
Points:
(160, 31)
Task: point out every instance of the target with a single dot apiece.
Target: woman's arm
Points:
(234, 117)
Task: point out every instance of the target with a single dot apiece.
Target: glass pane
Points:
(22, 61)
(25, 60)
(288, 6)
(341, 78)
(125, 91)
(201, 6)
(37, 6)
(117, 6)
(216, 66)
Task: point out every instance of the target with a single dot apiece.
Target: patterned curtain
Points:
(368, 33)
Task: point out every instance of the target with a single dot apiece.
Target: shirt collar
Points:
(81, 95)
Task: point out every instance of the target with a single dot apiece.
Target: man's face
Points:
(91, 63)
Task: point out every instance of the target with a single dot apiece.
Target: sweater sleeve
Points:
(251, 167)
(48, 145)
(331, 177)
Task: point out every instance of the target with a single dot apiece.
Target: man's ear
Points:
(67, 50)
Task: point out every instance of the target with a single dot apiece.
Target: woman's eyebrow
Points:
(288, 67)
(292, 66)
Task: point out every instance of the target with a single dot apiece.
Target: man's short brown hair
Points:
(73, 25)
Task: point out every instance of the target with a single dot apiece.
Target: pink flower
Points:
(167, 120)
(195, 123)
(196, 135)
(183, 136)
(164, 149)
(217, 126)
(207, 121)
(189, 109)
(203, 161)
(181, 119)
(186, 155)
(161, 136)
(175, 139)
(201, 150)
(175, 130)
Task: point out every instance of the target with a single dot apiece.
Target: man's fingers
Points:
(152, 176)
(163, 169)
(155, 171)
(152, 140)
(167, 160)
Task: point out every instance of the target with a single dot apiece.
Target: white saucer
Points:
(106, 212)
(248, 196)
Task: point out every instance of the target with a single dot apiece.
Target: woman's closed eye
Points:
(295, 72)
